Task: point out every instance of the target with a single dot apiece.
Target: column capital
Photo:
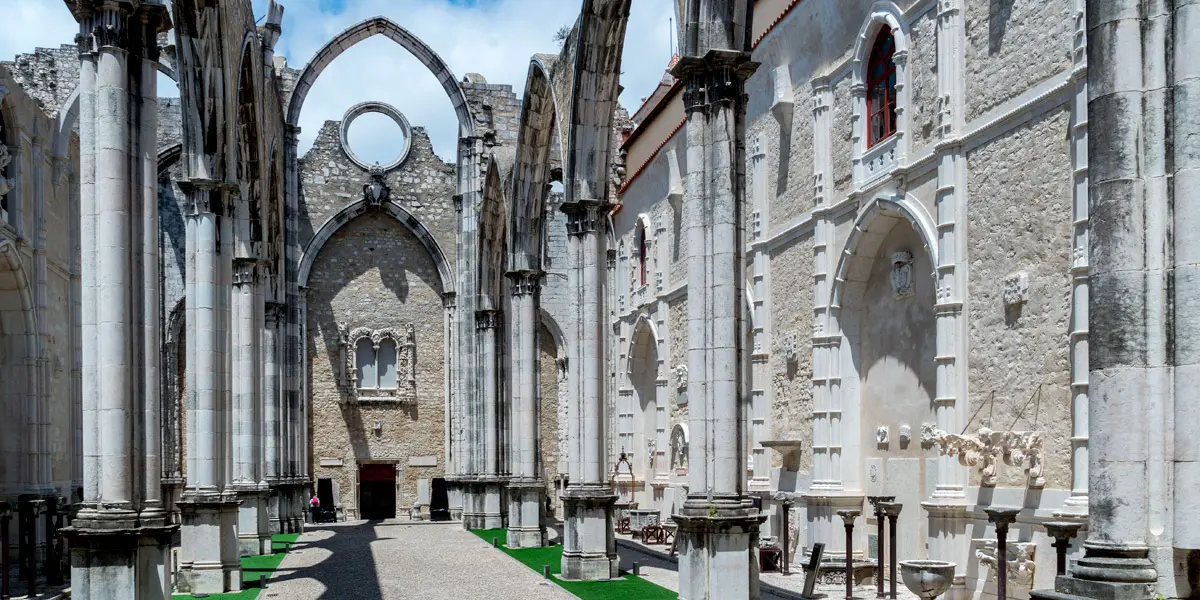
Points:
(458, 203)
(206, 195)
(487, 319)
(275, 312)
(449, 300)
(246, 271)
(585, 216)
(714, 80)
(525, 282)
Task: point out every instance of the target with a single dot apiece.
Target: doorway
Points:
(439, 501)
(377, 491)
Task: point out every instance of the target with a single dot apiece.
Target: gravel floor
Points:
(393, 560)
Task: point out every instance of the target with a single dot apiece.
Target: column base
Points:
(254, 531)
(454, 493)
(116, 556)
(209, 559)
(589, 546)
(1106, 573)
(718, 542)
(483, 502)
(525, 500)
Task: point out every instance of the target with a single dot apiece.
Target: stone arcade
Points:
(938, 250)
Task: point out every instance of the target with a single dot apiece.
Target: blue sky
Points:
(491, 37)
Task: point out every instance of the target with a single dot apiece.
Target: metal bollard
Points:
(637, 569)
(495, 542)
(262, 582)
(545, 571)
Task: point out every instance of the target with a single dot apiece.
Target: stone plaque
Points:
(331, 462)
(875, 477)
(423, 492)
(423, 461)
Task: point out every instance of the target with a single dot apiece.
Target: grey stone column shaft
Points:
(718, 527)
(527, 488)
(119, 536)
(247, 376)
(272, 398)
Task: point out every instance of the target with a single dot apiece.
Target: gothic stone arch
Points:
(388, 28)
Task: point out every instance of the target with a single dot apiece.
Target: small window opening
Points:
(881, 89)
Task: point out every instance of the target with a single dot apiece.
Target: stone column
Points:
(1128, 389)
(589, 548)
(718, 526)
(273, 319)
(209, 561)
(946, 508)
(465, 421)
(120, 535)
(526, 488)
(254, 537)
(487, 511)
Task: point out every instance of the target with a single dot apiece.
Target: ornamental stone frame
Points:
(883, 157)
(406, 364)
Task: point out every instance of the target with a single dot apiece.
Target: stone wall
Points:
(48, 75)
(1012, 45)
(922, 76)
(1020, 186)
(550, 431)
(374, 273)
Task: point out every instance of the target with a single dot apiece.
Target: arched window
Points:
(364, 352)
(641, 240)
(881, 89)
(387, 365)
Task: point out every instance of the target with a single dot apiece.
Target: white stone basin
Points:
(927, 579)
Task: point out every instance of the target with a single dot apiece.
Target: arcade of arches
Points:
(847, 251)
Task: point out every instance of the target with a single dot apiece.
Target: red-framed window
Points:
(641, 256)
(881, 89)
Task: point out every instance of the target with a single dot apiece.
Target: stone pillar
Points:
(946, 508)
(254, 537)
(488, 509)
(464, 421)
(526, 489)
(718, 526)
(120, 535)
(273, 319)
(589, 546)
(209, 561)
(1128, 385)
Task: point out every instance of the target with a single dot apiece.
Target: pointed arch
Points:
(532, 174)
(874, 222)
(414, 225)
(389, 29)
(18, 364)
(492, 240)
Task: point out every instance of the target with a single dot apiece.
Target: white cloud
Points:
(493, 37)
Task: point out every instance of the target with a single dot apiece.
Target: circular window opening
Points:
(376, 136)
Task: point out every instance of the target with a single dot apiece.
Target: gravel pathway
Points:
(393, 560)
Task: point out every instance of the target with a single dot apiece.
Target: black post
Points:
(848, 516)
(892, 511)
(1002, 517)
(879, 542)
(27, 536)
(53, 556)
(1062, 532)
(787, 528)
(5, 517)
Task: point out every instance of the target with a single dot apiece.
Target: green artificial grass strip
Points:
(628, 587)
(253, 566)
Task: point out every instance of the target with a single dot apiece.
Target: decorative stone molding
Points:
(406, 368)
(377, 192)
(1021, 564)
(387, 110)
(1016, 288)
(987, 448)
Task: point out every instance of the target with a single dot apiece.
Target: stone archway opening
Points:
(643, 407)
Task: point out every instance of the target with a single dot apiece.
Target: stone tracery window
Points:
(881, 89)
(380, 365)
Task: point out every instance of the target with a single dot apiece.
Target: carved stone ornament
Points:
(905, 434)
(882, 435)
(987, 448)
(790, 347)
(651, 452)
(5, 159)
(679, 448)
(377, 192)
(1021, 564)
(681, 376)
(1016, 288)
(902, 274)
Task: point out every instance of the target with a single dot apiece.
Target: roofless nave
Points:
(848, 250)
